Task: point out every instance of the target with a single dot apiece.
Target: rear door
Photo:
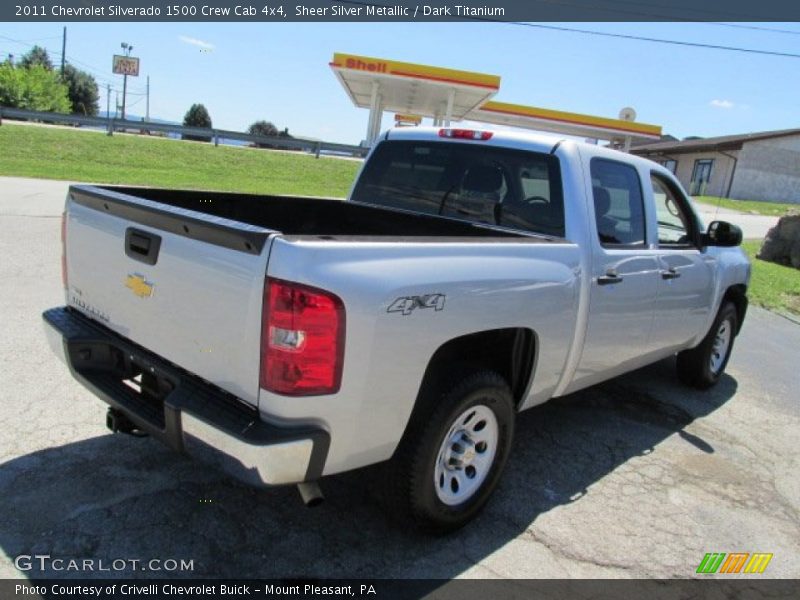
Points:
(625, 275)
(185, 285)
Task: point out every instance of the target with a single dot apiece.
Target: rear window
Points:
(618, 203)
(478, 183)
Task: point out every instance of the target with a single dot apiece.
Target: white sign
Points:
(126, 65)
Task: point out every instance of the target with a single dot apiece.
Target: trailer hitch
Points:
(116, 421)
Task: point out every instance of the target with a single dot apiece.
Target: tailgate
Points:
(185, 285)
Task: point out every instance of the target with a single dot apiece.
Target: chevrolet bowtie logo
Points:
(139, 286)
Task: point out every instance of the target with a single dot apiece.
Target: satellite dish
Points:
(627, 114)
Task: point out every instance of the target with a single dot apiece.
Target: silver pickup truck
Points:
(470, 275)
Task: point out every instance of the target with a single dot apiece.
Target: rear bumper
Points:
(183, 411)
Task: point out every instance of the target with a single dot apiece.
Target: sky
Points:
(243, 72)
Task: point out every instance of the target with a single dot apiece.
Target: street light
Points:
(127, 48)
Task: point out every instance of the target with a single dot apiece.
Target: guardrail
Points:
(111, 125)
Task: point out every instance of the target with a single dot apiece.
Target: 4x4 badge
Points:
(407, 304)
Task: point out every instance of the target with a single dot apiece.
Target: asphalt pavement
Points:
(754, 227)
(637, 477)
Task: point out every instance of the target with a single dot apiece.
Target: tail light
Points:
(302, 340)
(465, 134)
(64, 279)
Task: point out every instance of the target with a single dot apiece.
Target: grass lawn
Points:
(81, 155)
(773, 286)
(772, 209)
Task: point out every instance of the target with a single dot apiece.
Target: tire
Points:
(438, 486)
(702, 367)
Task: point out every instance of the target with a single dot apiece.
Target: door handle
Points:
(142, 246)
(609, 278)
(671, 273)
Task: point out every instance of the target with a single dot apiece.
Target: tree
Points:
(268, 129)
(36, 56)
(263, 128)
(34, 88)
(82, 90)
(197, 116)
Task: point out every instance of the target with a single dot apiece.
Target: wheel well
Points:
(510, 352)
(737, 294)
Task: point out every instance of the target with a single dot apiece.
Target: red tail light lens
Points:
(465, 134)
(64, 279)
(302, 340)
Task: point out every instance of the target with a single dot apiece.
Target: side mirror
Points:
(722, 233)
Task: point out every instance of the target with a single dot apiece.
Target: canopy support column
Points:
(375, 114)
(627, 145)
(448, 113)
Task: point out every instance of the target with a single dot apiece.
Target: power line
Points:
(757, 28)
(645, 38)
(671, 7)
(134, 103)
(675, 18)
(55, 37)
(623, 36)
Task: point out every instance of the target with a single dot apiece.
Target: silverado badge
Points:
(139, 285)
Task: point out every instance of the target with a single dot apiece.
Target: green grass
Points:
(772, 286)
(88, 156)
(772, 209)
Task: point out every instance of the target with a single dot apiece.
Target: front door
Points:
(685, 286)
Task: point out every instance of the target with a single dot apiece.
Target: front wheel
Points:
(453, 453)
(702, 367)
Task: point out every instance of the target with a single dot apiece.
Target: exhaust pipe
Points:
(310, 493)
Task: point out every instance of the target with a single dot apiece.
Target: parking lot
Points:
(638, 477)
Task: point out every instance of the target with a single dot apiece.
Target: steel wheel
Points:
(453, 451)
(720, 347)
(703, 365)
(466, 455)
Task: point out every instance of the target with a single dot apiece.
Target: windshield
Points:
(483, 184)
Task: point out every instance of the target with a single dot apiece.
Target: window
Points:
(701, 175)
(669, 164)
(674, 223)
(475, 182)
(618, 203)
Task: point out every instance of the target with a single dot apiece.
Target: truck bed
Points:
(293, 215)
(183, 271)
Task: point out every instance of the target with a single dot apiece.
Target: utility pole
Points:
(147, 104)
(124, 93)
(63, 51)
(116, 105)
(127, 47)
(108, 106)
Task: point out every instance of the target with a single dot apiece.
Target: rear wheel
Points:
(702, 367)
(452, 454)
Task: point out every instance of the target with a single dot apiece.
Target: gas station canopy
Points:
(447, 95)
(557, 121)
(380, 84)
